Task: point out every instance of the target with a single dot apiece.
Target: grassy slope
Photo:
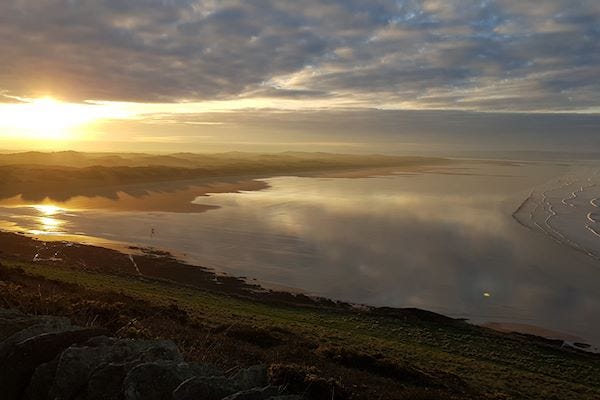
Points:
(495, 365)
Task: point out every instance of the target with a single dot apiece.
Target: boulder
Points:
(255, 394)
(205, 370)
(106, 382)
(41, 381)
(24, 357)
(205, 388)
(78, 364)
(48, 358)
(286, 397)
(155, 380)
(252, 377)
(12, 321)
(16, 327)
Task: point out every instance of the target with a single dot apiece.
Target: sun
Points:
(49, 119)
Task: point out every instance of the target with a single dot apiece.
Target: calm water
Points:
(444, 241)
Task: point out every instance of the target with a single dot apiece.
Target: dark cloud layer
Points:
(476, 55)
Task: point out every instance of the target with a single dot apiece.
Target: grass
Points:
(364, 354)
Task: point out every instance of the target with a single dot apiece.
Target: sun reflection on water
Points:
(47, 223)
(47, 209)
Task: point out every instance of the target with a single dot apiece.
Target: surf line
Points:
(545, 228)
(528, 199)
(595, 232)
(550, 230)
(567, 201)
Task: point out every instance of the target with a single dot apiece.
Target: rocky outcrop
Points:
(43, 358)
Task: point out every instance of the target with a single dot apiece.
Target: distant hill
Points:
(36, 175)
(192, 160)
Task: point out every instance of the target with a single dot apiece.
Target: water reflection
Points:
(37, 219)
(48, 226)
(426, 241)
(47, 209)
(174, 196)
(445, 243)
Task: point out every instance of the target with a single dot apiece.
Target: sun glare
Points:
(50, 119)
(47, 209)
(47, 221)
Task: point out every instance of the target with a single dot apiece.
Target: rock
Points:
(12, 321)
(106, 382)
(121, 350)
(78, 363)
(24, 357)
(252, 377)
(254, 394)
(205, 370)
(160, 350)
(48, 358)
(286, 397)
(41, 381)
(205, 388)
(16, 327)
(74, 368)
(307, 380)
(581, 345)
(155, 380)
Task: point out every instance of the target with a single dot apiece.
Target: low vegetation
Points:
(323, 351)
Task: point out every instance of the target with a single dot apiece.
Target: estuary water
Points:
(449, 240)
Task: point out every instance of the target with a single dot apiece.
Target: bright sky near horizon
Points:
(343, 75)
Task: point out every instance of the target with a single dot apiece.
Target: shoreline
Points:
(144, 263)
(161, 266)
(133, 251)
(181, 274)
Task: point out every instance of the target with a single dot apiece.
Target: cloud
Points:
(473, 55)
(361, 130)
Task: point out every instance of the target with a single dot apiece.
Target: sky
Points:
(335, 75)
